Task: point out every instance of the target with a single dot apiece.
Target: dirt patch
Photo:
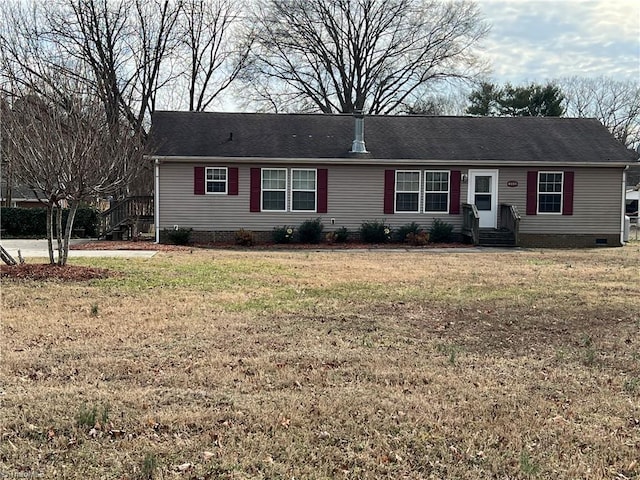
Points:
(68, 273)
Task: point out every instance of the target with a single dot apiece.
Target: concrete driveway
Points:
(38, 249)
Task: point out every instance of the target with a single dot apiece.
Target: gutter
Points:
(376, 161)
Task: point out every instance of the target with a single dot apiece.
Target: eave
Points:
(363, 160)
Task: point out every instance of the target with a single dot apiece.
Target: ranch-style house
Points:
(526, 181)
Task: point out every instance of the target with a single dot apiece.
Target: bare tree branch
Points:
(615, 103)
(345, 55)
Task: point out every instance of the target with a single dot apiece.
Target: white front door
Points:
(483, 193)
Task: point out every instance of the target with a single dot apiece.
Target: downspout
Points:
(624, 210)
(156, 199)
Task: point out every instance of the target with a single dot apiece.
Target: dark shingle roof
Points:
(526, 139)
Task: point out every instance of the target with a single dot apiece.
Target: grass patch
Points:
(229, 364)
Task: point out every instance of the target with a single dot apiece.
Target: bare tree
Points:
(116, 47)
(67, 151)
(615, 103)
(214, 53)
(345, 55)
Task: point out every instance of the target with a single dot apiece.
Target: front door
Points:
(483, 193)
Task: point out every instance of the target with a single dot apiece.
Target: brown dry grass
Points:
(226, 364)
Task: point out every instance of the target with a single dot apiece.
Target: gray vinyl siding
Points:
(597, 201)
(354, 194)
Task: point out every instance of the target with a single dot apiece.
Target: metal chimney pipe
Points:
(358, 145)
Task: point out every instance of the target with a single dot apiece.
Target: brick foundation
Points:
(526, 240)
(533, 240)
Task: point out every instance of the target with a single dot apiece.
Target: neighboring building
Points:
(554, 181)
(18, 196)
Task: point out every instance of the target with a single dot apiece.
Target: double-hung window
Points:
(407, 191)
(216, 180)
(436, 191)
(274, 189)
(303, 190)
(550, 192)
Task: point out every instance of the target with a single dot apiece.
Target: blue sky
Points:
(540, 40)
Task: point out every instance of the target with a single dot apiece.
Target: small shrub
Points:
(94, 310)
(375, 232)
(341, 235)
(282, 234)
(418, 239)
(440, 232)
(180, 236)
(246, 238)
(403, 232)
(310, 231)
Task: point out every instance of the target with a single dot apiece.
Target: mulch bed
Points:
(150, 245)
(46, 271)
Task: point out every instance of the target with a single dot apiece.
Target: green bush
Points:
(402, 233)
(282, 234)
(441, 232)
(179, 236)
(310, 231)
(341, 235)
(375, 232)
(246, 238)
(87, 219)
(32, 222)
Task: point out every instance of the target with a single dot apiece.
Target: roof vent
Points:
(358, 143)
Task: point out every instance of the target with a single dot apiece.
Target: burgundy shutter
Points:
(233, 180)
(389, 190)
(454, 199)
(198, 180)
(567, 192)
(255, 190)
(322, 190)
(532, 192)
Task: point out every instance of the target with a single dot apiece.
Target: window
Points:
(407, 191)
(274, 189)
(436, 191)
(216, 180)
(303, 190)
(550, 192)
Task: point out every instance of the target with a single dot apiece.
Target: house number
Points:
(512, 183)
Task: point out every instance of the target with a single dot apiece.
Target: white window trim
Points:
(315, 171)
(262, 189)
(396, 192)
(226, 180)
(561, 192)
(424, 203)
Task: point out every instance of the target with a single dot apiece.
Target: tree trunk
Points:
(50, 233)
(68, 230)
(59, 233)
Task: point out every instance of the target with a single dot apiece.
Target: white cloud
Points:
(541, 40)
